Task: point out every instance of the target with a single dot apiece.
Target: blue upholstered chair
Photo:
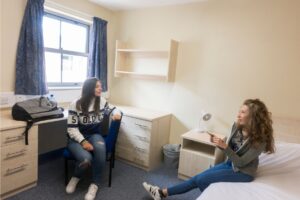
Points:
(110, 141)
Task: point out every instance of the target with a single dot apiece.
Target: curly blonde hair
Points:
(260, 124)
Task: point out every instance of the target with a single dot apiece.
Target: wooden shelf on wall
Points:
(146, 64)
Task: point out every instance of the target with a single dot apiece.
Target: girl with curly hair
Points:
(251, 134)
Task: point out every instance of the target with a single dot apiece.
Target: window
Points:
(66, 50)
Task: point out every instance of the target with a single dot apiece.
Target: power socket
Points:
(7, 99)
(4, 101)
(20, 98)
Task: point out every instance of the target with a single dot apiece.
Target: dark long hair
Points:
(260, 124)
(87, 95)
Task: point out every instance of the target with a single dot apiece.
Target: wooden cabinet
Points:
(142, 136)
(197, 154)
(146, 64)
(18, 161)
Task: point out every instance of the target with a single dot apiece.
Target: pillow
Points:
(285, 158)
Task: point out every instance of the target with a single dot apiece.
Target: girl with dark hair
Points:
(251, 134)
(85, 141)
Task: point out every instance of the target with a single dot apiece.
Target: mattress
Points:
(278, 177)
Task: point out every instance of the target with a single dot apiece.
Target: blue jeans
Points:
(219, 173)
(95, 158)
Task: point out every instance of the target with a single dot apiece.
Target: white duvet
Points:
(278, 178)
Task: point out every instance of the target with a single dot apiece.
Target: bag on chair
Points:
(34, 110)
(106, 119)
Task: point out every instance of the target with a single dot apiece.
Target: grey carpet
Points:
(126, 183)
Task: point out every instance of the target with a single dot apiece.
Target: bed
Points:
(278, 175)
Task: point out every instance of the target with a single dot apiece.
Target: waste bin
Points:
(171, 155)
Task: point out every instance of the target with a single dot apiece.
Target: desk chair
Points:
(110, 141)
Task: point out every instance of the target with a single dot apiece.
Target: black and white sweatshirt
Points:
(80, 126)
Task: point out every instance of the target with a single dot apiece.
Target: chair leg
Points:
(113, 159)
(110, 171)
(66, 171)
(111, 166)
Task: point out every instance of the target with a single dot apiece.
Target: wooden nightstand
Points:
(197, 154)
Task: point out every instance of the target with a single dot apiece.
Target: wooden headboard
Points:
(287, 130)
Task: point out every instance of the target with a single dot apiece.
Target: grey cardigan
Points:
(245, 159)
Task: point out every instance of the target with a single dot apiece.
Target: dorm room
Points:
(167, 63)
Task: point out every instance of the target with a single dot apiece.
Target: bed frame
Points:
(287, 130)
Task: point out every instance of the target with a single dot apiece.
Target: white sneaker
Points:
(152, 190)
(91, 194)
(72, 185)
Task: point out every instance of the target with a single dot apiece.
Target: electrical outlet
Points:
(4, 100)
(7, 99)
(20, 98)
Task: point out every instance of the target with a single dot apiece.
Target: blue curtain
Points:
(30, 68)
(98, 51)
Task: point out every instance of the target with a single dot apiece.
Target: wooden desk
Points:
(19, 162)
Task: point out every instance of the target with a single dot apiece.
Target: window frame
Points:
(63, 52)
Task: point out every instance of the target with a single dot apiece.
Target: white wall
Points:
(1, 38)
(229, 50)
(1, 18)
(12, 12)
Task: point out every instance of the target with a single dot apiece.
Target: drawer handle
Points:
(140, 149)
(142, 126)
(15, 170)
(144, 139)
(139, 160)
(15, 154)
(13, 139)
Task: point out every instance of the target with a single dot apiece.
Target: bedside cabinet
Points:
(18, 161)
(141, 137)
(197, 154)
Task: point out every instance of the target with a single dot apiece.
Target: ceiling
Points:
(136, 4)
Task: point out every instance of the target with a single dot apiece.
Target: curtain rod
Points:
(58, 8)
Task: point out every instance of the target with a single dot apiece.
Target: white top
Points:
(7, 122)
(202, 137)
(148, 115)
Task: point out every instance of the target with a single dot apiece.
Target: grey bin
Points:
(171, 155)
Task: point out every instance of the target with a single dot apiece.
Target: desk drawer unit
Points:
(134, 141)
(18, 161)
(134, 153)
(140, 141)
(136, 129)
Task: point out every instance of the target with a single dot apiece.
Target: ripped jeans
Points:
(96, 158)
